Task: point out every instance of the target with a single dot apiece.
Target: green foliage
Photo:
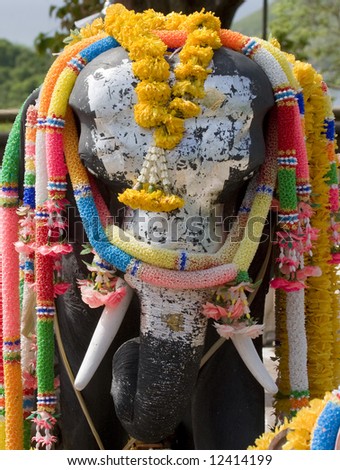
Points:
(309, 29)
(21, 72)
(71, 11)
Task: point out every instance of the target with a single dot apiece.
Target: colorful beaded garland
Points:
(11, 350)
(121, 261)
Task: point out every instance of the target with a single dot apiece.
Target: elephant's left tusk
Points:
(246, 349)
(106, 330)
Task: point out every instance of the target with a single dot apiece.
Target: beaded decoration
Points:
(25, 248)
(52, 153)
(2, 384)
(11, 350)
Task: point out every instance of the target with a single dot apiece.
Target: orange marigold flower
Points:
(149, 115)
(195, 88)
(173, 124)
(164, 140)
(185, 108)
(204, 37)
(184, 71)
(152, 68)
(153, 92)
(147, 46)
(202, 20)
(196, 55)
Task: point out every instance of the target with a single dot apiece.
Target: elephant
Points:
(192, 405)
(162, 380)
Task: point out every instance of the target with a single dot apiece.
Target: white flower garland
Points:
(298, 374)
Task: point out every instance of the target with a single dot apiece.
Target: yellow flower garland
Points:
(160, 106)
(319, 297)
(155, 201)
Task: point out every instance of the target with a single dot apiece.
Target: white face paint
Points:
(214, 143)
(111, 98)
(172, 315)
(219, 150)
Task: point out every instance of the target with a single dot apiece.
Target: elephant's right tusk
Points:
(106, 330)
(246, 349)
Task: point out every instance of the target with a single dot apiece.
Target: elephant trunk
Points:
(154, 375)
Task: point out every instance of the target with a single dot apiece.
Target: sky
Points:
(22, 20)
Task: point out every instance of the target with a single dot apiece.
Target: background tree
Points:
(309, 29)
(74, 10)
(21, 71)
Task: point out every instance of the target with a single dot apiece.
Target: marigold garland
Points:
(320, 317)
(158, 105)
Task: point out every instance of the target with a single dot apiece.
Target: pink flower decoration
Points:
(285, 269)
(44, 423)
(313, 233)
(50, 206)
(58, 249)
(253, 331)
(228, 331)
(305, 211)
(91, 297)
(288, 286)
(25, 248)
(30, 381)
(334, 199)
(62, 249)
(214, 311)
(114, 298)
(308, 271)
(94, 299)
(44, 250)
(46, 441)
(242, 286)
(53, 206)
(287, 261)
(29, 222)
(335, 258)
(61, 288)
(236, 310)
